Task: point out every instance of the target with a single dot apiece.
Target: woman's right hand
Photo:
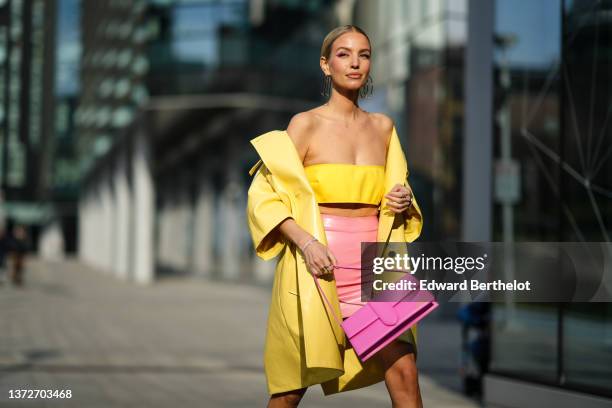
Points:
(319, 259)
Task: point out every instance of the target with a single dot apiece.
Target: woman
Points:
(318, 193)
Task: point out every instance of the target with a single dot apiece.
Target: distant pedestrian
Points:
(4, 248)
(18, 249)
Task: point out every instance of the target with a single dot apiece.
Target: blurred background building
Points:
(26, 108)
(124, 129)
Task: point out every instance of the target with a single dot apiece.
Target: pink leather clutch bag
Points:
(377, 324)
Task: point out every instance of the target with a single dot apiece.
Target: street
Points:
(185, 342)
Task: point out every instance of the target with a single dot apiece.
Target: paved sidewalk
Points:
(180, 342)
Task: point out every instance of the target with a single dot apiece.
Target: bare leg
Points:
(401, 376)
(287, 399)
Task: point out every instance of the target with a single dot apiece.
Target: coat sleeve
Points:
(265, 211)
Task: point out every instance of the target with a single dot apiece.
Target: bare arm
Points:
(293, 232)
(318, 257)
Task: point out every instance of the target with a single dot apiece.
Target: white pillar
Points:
(233, 217)
(175, 220)
(143, 210)
(105, 255)
(164, 225)
(263, 271)
(82, 226)
(233, 223)
(183, 227)
(51, 247)
(121, 241)
(204, 227)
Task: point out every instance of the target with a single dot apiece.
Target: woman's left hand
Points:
(399, 198)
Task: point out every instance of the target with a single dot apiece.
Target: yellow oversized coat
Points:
(304, 343)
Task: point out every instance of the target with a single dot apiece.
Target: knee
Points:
(287, 399)
(406, 373)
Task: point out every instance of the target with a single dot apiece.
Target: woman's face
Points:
(349, 61)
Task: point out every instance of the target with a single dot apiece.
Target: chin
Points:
(353, 87)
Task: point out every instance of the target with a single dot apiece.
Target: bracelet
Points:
(313, 239)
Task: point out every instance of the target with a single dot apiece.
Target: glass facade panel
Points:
(587, 179)
(418, 50)
(552, 119)
(524, 339)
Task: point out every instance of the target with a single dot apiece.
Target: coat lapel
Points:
(395, 172)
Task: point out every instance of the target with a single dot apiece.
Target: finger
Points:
(313, 270)
(394, 200)
(318, 270)
(397, 207)
(325, 270)
(399, 194)
(332, 258)
(397, 187)
(323, 266)
(404, 200)
(395, 194)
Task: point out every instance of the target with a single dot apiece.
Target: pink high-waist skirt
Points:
(344, 238)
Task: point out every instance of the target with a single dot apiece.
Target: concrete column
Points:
(202, 258)
(51, 245)
(230, 230)
(233, 220)
(92, 205)
(82, 226)
(175, 219)
(97, 233)
(121, 240)
(263, 271)
(478, 142)
(164, 225)
(106, 254)
(143, 210)
(183, 227)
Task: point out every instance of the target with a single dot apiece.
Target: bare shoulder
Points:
(299, 130)
(384, 124)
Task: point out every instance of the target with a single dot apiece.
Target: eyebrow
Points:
(349, 49)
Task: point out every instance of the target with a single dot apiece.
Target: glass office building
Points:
(112, 71)
(553, 70)
(26, 110)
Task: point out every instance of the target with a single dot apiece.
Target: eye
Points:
(366, 56)
(342, 54)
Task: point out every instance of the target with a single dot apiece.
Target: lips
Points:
(354, 76)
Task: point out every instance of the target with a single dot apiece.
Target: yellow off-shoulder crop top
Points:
(346, 182)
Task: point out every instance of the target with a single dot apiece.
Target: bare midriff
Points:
(348, 209)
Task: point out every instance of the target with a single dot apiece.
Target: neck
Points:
(343, 104)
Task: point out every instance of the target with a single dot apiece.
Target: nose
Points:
(355, 62)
